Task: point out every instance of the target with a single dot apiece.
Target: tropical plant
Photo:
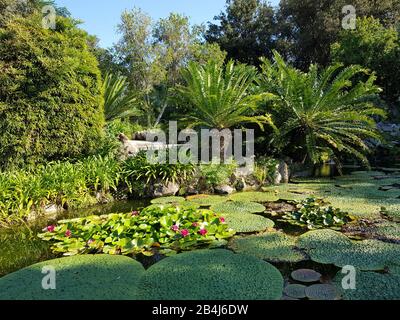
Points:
(118, 101)
(215, 175)
(321, 115)
(221, 97)
(314, 214)
(154, 229)
(139, 168)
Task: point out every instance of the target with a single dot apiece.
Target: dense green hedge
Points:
(50, 92)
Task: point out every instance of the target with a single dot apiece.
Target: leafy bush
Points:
(217, 174)
(265, 170)
(270, 246)
(313, 214)
(99, 277)
(212, 274)
(50, 93)
(138, 171)
(169, 229)
(62, 183)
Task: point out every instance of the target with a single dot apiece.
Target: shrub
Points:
(62, 183)
(138, 171)
(169, 229)
(217, 174)
(99, 277)
(313, 214)
(50, 92)
(212, 275)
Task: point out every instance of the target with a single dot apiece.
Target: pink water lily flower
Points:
(185, 233)
(222, 220)
(195, 224)
(203, 232)
(90, 241)
(135, 213)
(68, 233)
(51, 228)
(175, 228)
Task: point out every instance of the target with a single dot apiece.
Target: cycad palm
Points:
(118, 102)
(321, 113)
(220, 97)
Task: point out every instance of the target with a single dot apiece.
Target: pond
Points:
(362, 194)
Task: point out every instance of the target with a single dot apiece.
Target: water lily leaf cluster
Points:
(168, 230)
(314, 214)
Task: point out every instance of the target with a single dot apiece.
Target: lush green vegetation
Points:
(50, 95)
(317, 97)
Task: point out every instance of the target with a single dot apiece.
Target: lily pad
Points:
(205, 200)
(238, 207)
(297, 291)
(255, 197)
(306, 275)
(247, 223)
(270, 246)
(322, 292)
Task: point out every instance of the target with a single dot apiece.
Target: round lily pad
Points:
(306, 275)
(205, 200)
(86, 277)
(165, 200)
(245, 223)
(370, 286)
(238, 207)
(254, 196)
(212, 275)
(270, 246)
(297, 291)
(322, 292)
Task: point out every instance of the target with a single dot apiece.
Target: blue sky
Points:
(102, 16)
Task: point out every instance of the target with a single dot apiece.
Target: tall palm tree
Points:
(321, 114)
(221, 97)
(118, 102)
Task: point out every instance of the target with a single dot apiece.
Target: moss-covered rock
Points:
(247, 223)
(331, 247)
(212, 275)
(87, 277)
(371, 286)
(238, 207)
(255, 197)
(271, 246)
(165, 200)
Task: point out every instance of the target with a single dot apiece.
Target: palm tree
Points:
(321, 114)
(220, 97)
(118, 102)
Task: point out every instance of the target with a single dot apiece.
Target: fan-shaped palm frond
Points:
(321, 112)
(221, 97)
(118, 102)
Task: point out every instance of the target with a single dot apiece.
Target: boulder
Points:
(224, 190)
(164, 190)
